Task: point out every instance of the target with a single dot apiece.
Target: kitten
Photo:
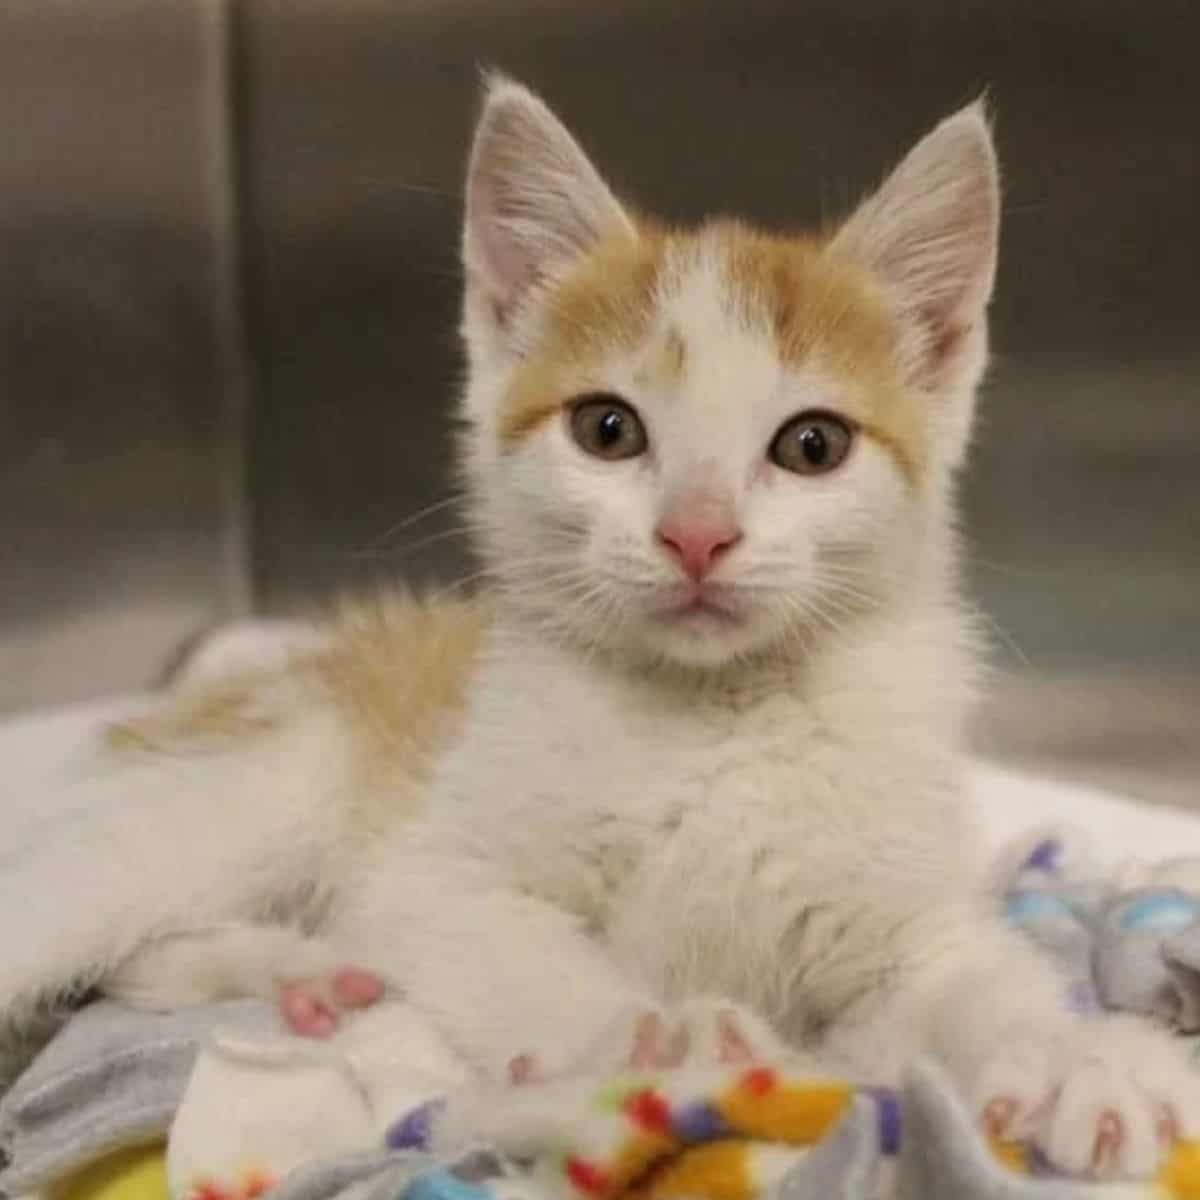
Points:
(691, 780)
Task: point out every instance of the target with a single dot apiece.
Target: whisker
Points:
(420, 515)
(1007, 640)
(411, 548)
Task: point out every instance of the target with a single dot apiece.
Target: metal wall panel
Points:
(120, 472)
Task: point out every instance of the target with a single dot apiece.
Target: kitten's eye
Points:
(812, 443)
(607, 427)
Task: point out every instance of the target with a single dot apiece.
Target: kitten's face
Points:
(692, 445)
(694, 461)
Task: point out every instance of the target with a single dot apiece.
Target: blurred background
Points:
(228, 299)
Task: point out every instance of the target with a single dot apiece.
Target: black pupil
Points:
(608, 431)
(814, 446)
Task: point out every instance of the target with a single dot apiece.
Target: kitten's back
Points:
(392, 668)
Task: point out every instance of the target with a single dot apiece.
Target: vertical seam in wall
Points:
(224, 117)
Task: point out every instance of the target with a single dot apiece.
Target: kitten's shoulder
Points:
(398, 666)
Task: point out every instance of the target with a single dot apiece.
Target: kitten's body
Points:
(707, 741)
(724, 836)
(704, 840)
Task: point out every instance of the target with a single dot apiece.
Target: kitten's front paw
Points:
(640, 1039)
(1109, 1104)
(719, 1031)
(313, 1006)
(703, 1031)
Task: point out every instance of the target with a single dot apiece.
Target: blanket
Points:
(688, 1134)
(385, 1110)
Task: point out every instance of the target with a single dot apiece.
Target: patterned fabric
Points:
(742, 1135)
(1130, 942)
(308, 1120)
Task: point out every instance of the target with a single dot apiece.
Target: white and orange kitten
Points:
(691, 779)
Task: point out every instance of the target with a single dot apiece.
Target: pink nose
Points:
(697, 544)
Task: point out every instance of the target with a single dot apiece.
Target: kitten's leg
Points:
(704, 1030)
(1101, 1095)
(718, 1030)
(519, 986)
(310, 982)
(513, 982)
(135, 844)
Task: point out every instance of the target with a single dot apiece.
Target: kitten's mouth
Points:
(696, 604)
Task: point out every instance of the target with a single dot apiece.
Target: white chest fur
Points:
(694, 831)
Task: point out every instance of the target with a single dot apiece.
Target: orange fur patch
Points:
(607, 302)
(822, 311)
(397, 671)
(212, 716)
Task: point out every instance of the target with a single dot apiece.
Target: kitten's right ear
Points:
(534, 202)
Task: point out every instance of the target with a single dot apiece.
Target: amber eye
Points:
(812, 443)
(607, 427)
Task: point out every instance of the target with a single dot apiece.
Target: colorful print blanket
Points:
(687, 1135)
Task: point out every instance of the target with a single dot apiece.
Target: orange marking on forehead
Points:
(607, 302)
(819, 310)
(823, 311)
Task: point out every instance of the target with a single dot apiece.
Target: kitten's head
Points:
(695, 445)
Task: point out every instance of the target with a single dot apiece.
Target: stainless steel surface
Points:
(1083, 502)
(120, 470)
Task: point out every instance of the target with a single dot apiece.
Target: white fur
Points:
(640, 813)
(219, 962)
(267, 644)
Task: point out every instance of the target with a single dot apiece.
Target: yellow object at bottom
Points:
(137, 1174)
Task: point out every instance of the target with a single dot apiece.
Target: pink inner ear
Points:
(945, 340)
(503, 270)
(930, 233)
(533, 199)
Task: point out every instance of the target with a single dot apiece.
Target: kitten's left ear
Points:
(930, 233)
(534, 202)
